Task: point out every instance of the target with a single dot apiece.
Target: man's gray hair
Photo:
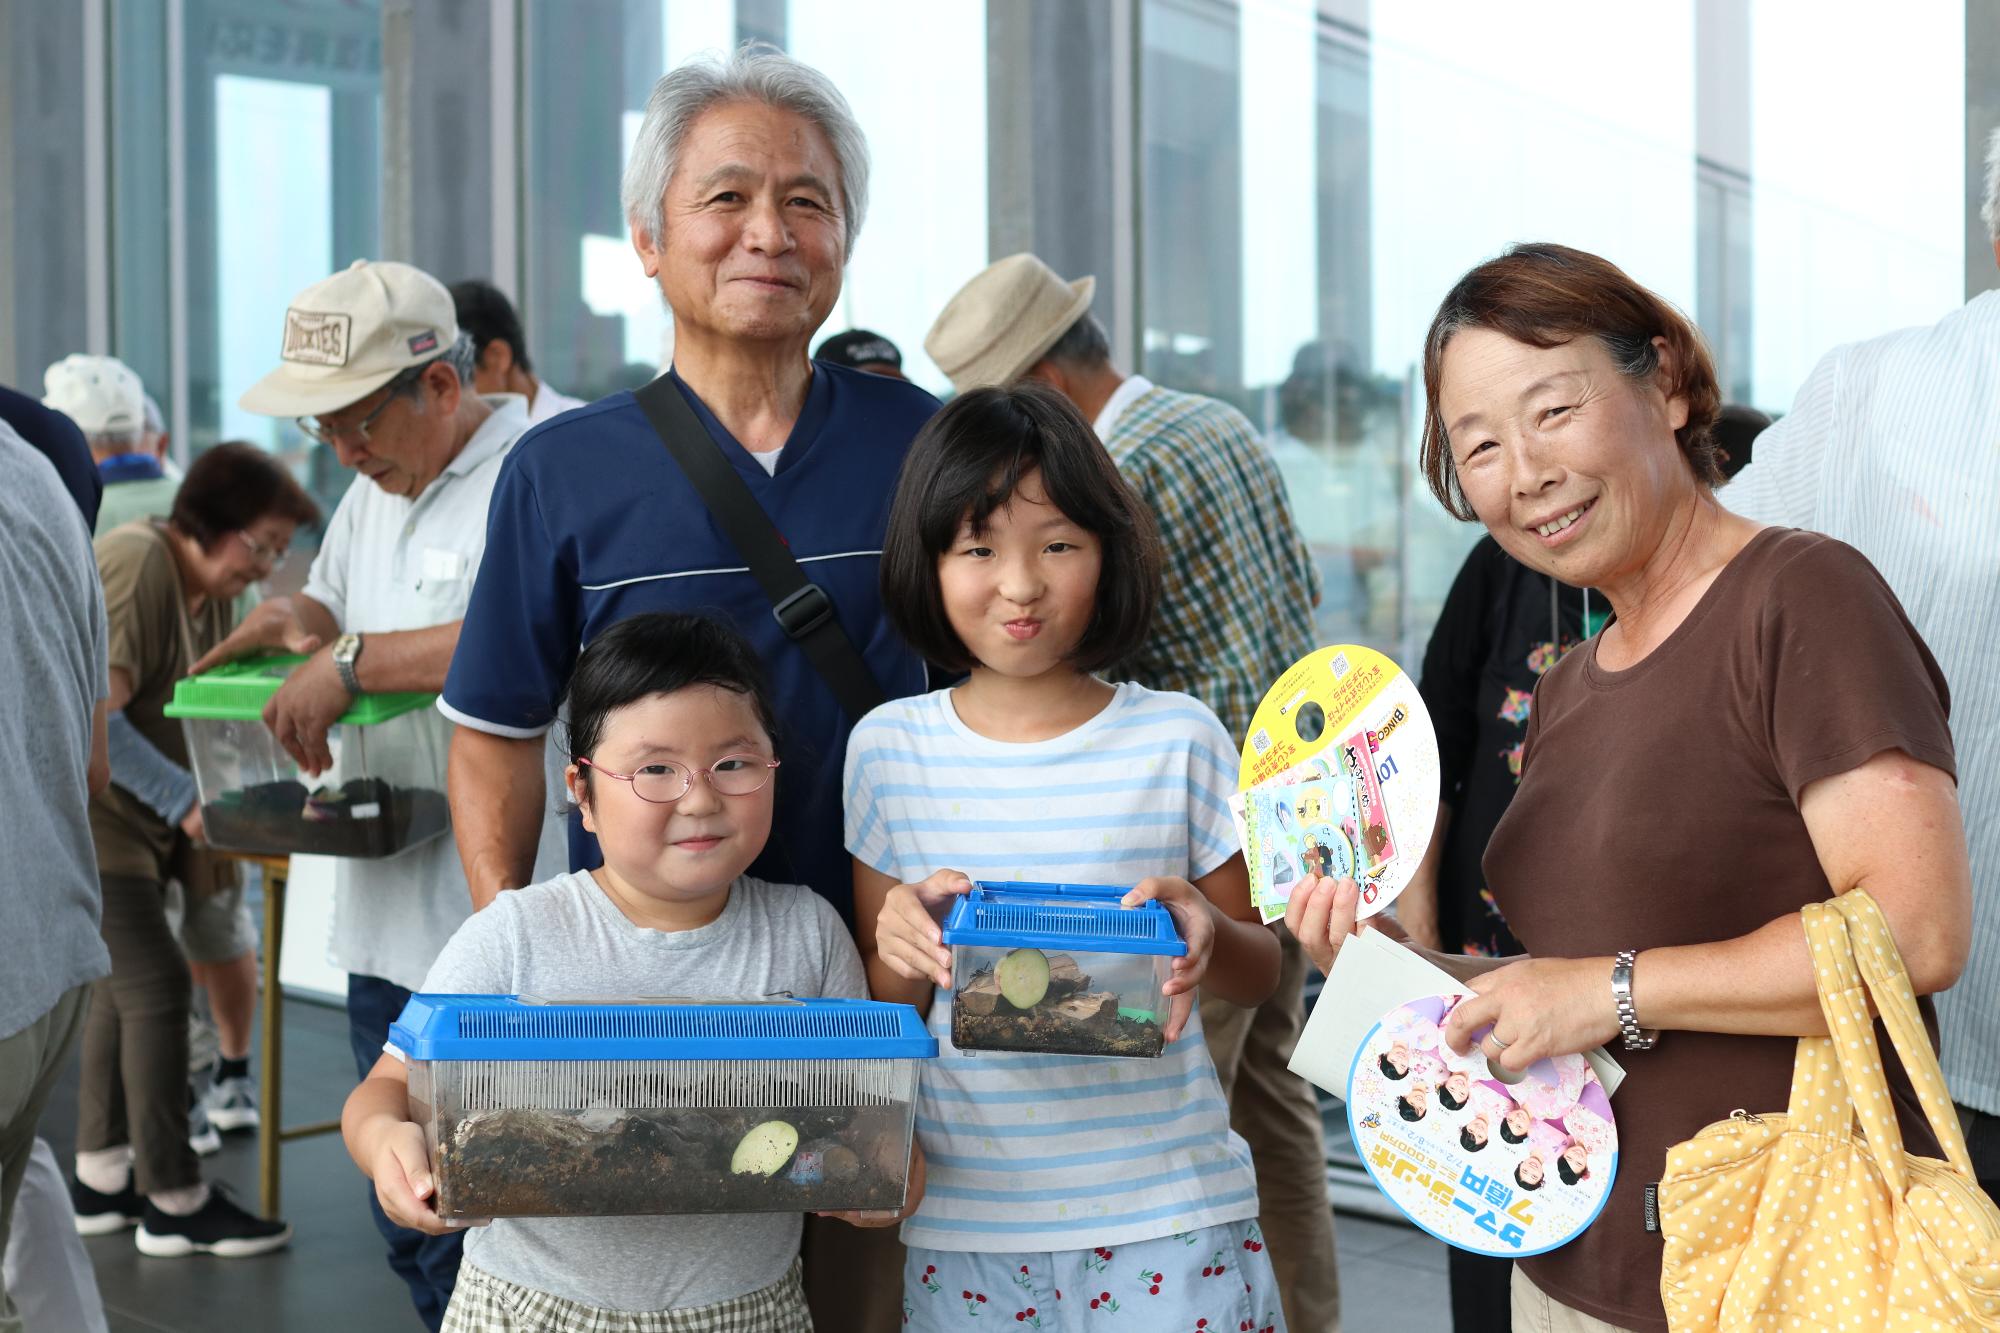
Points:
(460, 356)
(1083, 344)
(117, 441)
(1989, 208)
(754, 72)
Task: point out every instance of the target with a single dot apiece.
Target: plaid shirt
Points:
(1237, 604)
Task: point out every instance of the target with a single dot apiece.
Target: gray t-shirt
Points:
(564, 937)
(54, 645)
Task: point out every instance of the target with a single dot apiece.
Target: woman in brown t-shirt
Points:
(1758, 728)
(168, 589)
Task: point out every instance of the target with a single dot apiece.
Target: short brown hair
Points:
(1545, 295)
(231, 486)
(966, 463)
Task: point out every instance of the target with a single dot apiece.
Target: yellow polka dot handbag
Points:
(1795, 1221)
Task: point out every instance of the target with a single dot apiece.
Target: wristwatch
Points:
(346, 652)
(1636, 1037)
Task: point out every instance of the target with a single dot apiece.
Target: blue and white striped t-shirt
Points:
(1893, 446)
(1058, 1152)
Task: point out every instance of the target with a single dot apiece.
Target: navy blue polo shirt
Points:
(62, 442)
(592, 521)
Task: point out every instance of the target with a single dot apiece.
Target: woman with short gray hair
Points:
(744, 196)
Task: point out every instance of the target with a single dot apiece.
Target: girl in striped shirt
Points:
(1063, 1190)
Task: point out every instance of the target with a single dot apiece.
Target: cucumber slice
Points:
(765, 1150)
(1024, 977)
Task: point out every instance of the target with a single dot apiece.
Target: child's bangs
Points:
(1074, 491)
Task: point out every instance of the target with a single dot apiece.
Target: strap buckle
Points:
(802, 612)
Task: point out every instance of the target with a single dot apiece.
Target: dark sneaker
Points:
(219, 1227)
(102, 1214)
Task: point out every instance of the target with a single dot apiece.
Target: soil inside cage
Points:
(1054, 1035)
(364, 817)
(1069, 1019)
(536, 1163)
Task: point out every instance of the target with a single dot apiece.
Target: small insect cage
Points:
(383, 795)
(1059, 969)
(541, 1108)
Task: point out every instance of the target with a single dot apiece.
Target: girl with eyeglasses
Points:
(673, 766)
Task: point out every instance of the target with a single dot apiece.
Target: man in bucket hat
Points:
(1235, 611)
(373, 365)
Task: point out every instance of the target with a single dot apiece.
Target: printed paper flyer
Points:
(1495, 1168)
(1347, 719)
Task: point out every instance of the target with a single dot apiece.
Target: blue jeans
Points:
(429, 1264)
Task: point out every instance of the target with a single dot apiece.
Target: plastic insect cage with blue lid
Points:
(1060, 969)
(547, 1108)
(383, 795)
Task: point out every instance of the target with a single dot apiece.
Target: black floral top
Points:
(1494, 638)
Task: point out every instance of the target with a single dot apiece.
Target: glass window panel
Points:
(1859, 214)
(270, 136)
(594, 321)
(925, 233)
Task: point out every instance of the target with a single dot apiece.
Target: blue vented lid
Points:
(1082, 917)
(513, 1027)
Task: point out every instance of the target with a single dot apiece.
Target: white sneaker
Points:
(231, 1104)
(202, 1136)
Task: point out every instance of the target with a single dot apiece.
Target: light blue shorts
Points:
(1215, 1280)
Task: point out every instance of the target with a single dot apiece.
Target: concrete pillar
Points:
(1982, 117)
(438, 205)
(1054, 158)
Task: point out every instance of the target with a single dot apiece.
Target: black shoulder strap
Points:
(800, 606)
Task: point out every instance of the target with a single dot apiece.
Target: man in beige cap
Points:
(373, 365)
(1236, 610)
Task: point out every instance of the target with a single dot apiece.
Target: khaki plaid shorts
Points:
(483, 1303)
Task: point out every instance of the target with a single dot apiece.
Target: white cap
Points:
(101, 394)
(349, 335)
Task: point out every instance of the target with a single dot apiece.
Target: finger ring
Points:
(1498, 1044)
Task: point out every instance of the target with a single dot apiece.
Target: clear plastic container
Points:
(537, 1108)
(383, 795)
(1059, 969)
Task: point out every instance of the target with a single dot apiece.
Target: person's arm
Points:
(97, 774)
(521, 637)
(295, 624)
(389, 1147)
(313, 697)
(497, 798)
(1231, 954)
(898, 929)
(1890, 826)
(137, 766)
(1416, 907)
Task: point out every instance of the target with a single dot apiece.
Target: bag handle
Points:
(1847, 977)
(801, 607)
(1873, 947)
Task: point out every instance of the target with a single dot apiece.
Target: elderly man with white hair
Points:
(1889, 446)
(749, 481)
(106, 400)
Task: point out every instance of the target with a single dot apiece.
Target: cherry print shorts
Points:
(1215, 1280)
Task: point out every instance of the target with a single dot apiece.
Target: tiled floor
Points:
(333, 1279)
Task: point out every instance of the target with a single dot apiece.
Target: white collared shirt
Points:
(548, 402)
(1114, 407)
(1891, 447)
(393, 563)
